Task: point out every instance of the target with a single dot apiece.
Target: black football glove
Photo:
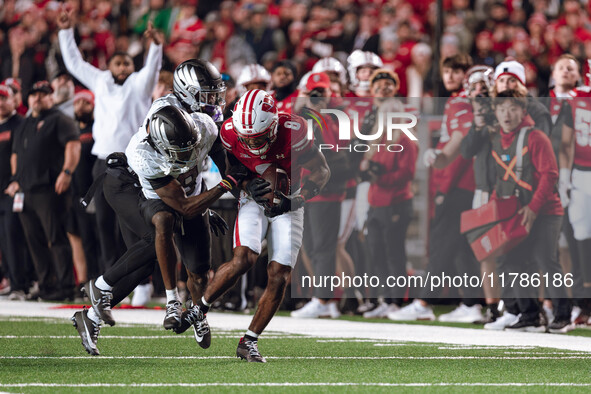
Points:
(286, 204)
(258, 188)
(217, 224)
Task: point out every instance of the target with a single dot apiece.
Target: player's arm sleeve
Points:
(148, 75)
(83, 71)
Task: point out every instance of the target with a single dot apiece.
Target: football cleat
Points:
(101, 301)
(172, 319)
(196, 318)
(88, 331)
(249, 351)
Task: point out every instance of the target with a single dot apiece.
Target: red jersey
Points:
(580, 104)
(292, 141)
(284, 106)
(457, 116)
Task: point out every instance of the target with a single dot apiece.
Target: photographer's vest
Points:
(514, 172)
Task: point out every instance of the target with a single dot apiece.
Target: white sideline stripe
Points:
(570, 357)
(484, 347)
(236, 336)
(295, 384)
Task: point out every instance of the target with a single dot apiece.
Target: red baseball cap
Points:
(84, 94)
(318, 80)
(12, 83)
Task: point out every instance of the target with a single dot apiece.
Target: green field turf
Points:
(48, 351)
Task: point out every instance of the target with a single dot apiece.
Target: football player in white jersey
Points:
(198, 94)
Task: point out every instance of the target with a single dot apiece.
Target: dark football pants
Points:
(139, 261)
(44, 220)
(386, 236)
(449, 251)
(108, 231)
(536, 254)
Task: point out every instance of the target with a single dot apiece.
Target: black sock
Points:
(249, 338)
(204, 308)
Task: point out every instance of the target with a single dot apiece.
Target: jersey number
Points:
(583, 127)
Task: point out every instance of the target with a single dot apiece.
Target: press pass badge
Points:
(19, 202)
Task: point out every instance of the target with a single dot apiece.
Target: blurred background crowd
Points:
(232, 34)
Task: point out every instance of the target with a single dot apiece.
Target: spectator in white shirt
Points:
(122, 100)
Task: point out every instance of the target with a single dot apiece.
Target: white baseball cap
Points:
(513, 68)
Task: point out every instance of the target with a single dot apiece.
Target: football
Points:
(279, 180)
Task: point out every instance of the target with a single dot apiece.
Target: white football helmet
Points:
(477, 74)
(330, 64)
(358, 59)
(252, 73)
(255, 121)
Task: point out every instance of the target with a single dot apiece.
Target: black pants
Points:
(386, 236)
(44, 220)
(321, 231)
(449, 250)
(536, 254)
(16, 259)
(109, 236)
(138, 262)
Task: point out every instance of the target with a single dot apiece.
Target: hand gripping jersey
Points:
(150, 165)
(292, 141)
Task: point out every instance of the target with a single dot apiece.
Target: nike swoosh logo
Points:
(87, 333)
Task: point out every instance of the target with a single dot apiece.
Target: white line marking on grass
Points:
(570, 357)
(491, 347)
(237, 336)
(295, 384)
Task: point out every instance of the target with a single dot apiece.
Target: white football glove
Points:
(430, 156)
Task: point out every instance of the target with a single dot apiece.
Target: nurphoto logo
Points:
(387, 122)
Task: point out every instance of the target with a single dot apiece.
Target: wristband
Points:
(226, 185)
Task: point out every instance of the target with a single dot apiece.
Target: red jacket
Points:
(394, 185)
(545, 200)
